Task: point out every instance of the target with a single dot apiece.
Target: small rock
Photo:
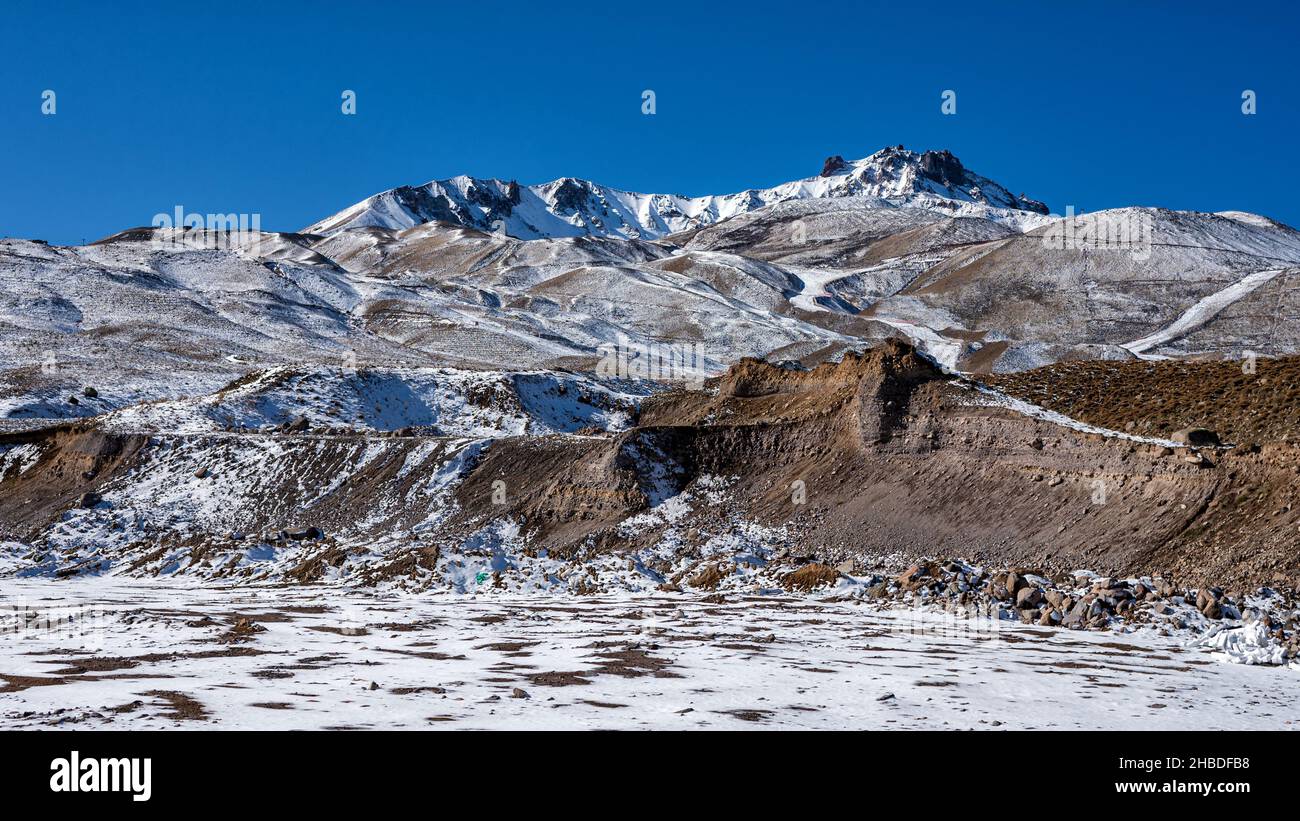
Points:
(518, 692)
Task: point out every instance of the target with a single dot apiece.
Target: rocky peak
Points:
(943, 167)
(833, 165)
(570, 194)
(578, 206)
(892, 360)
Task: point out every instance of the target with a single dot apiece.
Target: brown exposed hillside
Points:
(1158, 398)
(879, 460)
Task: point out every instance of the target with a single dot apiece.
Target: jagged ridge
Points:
(574, 207)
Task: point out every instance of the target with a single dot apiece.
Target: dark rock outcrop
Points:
(943, 167)
(833, 165)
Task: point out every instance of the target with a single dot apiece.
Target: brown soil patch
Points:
(13, 684)
(708, 578)
(1158, 398)
(748, 715)
(432, 655)
(810, 577)
(559, 679)
(181, 706)
(403, 627)
(244, 629)
(107, 664)
(632, 663)
(507, 646)
(272, 673)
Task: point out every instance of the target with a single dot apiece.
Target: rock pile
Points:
(1086, 601)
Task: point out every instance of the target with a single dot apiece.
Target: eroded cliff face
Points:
(882, 457)
(879, 459)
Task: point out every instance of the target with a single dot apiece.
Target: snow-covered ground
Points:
(453, 402)
(1200, 313)
(158, 654)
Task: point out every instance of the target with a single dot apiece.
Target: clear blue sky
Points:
(235, 108)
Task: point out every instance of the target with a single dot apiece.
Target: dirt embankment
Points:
(879, 458)
(72, 462)
(882, 457)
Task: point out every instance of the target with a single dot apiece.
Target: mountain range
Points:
(571, 207)
(489, 274)
(892, 358)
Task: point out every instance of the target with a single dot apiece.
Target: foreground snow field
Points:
(107, 653)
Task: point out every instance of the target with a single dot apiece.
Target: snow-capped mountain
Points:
(572, 207)
(898, 244)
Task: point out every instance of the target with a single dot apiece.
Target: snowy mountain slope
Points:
(1258, 314)
(443, 402)
(136, 322)
(849, 252)
(843, 233)
(573, 207)
(1203, 311)
(897, 244)
(1046, 302)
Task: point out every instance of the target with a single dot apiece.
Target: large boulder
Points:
(1196, 437)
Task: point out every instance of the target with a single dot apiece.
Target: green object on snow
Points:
(480, 578)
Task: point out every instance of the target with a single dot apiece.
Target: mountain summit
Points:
(574, 207)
